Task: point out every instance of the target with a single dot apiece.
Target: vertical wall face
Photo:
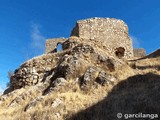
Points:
(108, 33)
(51, 44)
(140, 52)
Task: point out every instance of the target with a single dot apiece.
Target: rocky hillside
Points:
(82, 82)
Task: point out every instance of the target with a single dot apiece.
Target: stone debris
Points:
(90, 75)
(105, 78)
(59, 82)
(28, 94)
(33, 103)
(56, 103)
(95, 75)
(33, 71)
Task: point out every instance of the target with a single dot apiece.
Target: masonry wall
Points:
(33, 71)
(51, 44)
(139, 52)
(108, 33)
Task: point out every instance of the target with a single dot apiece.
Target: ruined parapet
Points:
(139, 52)
(111, 34)
(51, 44)
(33, 71)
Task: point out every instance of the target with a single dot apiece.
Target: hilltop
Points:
(96, 75)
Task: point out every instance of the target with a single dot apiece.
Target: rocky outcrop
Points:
(94, 76)
(91, 59)
(86, 47)
(33, 71)
(60, 67)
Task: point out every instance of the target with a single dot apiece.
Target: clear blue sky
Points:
(25, 24)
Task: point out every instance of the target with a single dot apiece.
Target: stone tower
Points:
(111, 34)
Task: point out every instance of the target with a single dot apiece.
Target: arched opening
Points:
(59, 47)
(120, 52)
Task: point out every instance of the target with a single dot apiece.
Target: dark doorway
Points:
(120, 52)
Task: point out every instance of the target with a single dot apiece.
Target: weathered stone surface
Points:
(139, 52)
(57, 102)
(32, 71)
(51, 44)
(67, 65)
(97, 75)
(71, 42)
(70, 66)
(83, 48)
(90, 75)
(108, 33)
(33, 103)
(59, 82)
(28, 94)
(105, 78)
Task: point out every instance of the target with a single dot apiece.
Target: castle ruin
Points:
(109, 34)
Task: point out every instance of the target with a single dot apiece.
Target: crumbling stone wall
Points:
(110, 34)
(33, 71)
(139, 52)
(51, 44)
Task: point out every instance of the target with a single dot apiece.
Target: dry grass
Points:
(74, 99)
(124, 72)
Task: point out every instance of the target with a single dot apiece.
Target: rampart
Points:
(51, 44)
(139, 52)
